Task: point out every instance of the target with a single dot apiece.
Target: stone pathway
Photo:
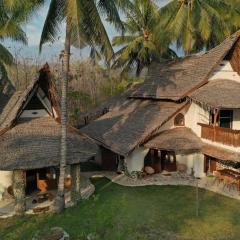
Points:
(174, 178)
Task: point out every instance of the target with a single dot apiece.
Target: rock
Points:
(55, 233)
(182, 168)
(149, 170)
(91, 236)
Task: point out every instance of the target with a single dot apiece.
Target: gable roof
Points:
(176, 79)
(221, 93)
(130, 124)
(31, 143)
(15, 105)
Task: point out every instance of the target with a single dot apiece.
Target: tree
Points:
(142, 42)
(13, 14)
(83, 22)
(199, 24)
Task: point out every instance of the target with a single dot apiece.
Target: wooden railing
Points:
(221, 135)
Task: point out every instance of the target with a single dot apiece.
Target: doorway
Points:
(168, 161)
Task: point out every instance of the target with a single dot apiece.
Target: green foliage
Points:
(200, 24)
(144, 213)
(74, 98)
(142, 42)
(114, 87)
(13, 13)
(86, 25)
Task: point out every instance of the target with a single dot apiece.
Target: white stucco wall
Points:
(5, 181)
(193, 161)
(225, 71)
(196, 114)
(135, 161)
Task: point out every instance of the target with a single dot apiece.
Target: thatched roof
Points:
(219, 94)
(35, 143)
(3, 101)
(176, 79)
(180, 140)
(220, 153)
(15, 104)
(130, 124)
(31, 143)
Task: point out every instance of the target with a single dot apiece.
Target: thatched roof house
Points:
(146, 117)
(30, 135)
(30, 129)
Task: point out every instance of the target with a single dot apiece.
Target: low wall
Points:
(5, 181)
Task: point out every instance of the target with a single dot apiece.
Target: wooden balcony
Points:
(224, 136)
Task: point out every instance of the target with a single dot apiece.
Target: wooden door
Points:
(213, 165)
(168, 161)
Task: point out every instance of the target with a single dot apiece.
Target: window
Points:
(225, 118)
(179, 120)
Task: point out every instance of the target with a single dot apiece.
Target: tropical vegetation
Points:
(12, 16)
(146, 34)
(200, 24)
(142, 42)
(83, 21)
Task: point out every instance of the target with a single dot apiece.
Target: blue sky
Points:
(50, 51)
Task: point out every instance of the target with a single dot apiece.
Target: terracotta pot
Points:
(68, 183)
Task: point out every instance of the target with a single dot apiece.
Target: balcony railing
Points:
(221, 135)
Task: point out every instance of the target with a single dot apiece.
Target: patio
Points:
(38, 202)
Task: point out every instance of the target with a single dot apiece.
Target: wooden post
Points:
(197, 198)
(216, 112)
(19, 191)
(75, 188)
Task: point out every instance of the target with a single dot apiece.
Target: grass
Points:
(152, 212)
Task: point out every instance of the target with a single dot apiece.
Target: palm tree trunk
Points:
(60, 199)
(75, 189)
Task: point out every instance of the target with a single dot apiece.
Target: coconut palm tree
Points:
(12, 16)
(142, 42)
(199, 24)
(83, 21)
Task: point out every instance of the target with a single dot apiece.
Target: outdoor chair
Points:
(233, 184)
(228, 182)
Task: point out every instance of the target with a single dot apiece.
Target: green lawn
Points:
(152, 212)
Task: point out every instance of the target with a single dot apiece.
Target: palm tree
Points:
(13, 14)
(83, 21)
(199, 24)
(142, 42)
